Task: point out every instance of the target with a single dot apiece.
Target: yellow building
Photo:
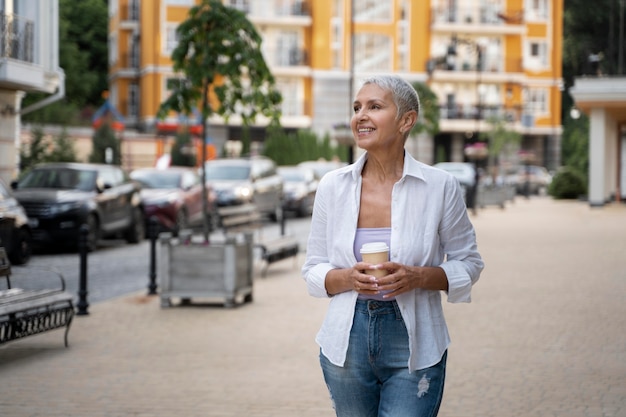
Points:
(482, 58)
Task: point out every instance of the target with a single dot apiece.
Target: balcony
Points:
(279, 12)
(491, 68)
(481, 20)
(17, 41)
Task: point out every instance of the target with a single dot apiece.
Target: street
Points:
(118, 268)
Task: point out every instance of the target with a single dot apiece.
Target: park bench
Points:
(246, 218)
(25, 312)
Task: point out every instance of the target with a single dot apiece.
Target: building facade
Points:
(29, 62)
(484, 59)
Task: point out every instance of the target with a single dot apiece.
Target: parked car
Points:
(247, 180)
(15, 233)
(532, 179)
(465, 173)
(60, 197)
(299, 189)
(173, 196)
(322, 166)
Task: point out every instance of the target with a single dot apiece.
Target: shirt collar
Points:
(412, 167)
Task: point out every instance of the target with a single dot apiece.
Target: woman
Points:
(383, 343)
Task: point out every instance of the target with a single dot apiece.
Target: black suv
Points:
(60, 197)
(15, 235)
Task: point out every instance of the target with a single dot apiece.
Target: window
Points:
(242, 5)
(171, 38)
(289, 89)
(372, 10)
(112, 50)
(336, 39)
(536, 10)
(133, 100)
(372, 52)
(536, 55)
(179, 2)
(536, 101)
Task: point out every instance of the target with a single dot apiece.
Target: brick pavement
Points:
(544, 336)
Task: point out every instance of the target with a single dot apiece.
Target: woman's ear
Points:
(409, 119)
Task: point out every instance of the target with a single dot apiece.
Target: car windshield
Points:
(60, 178)
(227, 172)
(292, 175)
(156, 179)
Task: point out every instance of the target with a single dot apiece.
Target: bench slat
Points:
(11, 305)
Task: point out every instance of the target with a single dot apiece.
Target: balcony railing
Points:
(490, 15)
(487, 64)
(290, 57)
(481, 112)
(276, 8)
(17, 38)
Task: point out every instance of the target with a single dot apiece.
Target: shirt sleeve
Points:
(317, 263)
(463, 263)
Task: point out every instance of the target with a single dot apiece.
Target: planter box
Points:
(189, 270)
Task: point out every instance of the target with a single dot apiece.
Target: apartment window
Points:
(112, 50)
(288, 52)
(536, 10)
(536, 101)
(289, 90)
(536, 55)
(403, 38)
(133, 101)
(372, 52)
(336, 39)
(372, 10)
(171, 38)
(243, 5)
(179, 2)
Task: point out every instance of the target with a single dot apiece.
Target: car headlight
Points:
(244, 192)
(60, 208)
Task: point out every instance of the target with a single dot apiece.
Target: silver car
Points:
(247, 180)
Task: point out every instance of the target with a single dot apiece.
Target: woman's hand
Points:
(403, 278)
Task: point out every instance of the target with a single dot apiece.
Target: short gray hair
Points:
(404, 95)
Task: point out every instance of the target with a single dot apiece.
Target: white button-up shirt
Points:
(429, 227)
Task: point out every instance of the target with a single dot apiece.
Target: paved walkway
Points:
(545, 335)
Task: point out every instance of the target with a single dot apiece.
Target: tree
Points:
(182, 150)
(501, 141)
(104, 138)
(429, 111)
(219, 56)
(83, 55)
(42, 149)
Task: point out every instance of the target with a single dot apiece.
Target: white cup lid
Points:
(374, 247)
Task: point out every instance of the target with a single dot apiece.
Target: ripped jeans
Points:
(374, 381)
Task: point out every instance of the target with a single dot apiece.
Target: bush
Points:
(568, 184)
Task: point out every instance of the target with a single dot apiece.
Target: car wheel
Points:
(136, 230)
(93, 233)
(22, 247)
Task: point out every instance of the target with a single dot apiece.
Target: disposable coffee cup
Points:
(375, 253)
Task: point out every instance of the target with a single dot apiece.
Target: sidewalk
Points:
(545, 335)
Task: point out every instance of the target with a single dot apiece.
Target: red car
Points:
(173, 196)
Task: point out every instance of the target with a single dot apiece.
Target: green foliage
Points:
(500, 139)
(290, 148)
(45, 149)
(83, 55)
(568, 183)
(182, 150)
(575, 146)
(219, 48)
(62, 149)
(429, 111)
(103, 138)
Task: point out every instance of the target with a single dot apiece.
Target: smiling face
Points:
(374, 123)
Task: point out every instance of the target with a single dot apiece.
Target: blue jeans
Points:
(375, 381)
